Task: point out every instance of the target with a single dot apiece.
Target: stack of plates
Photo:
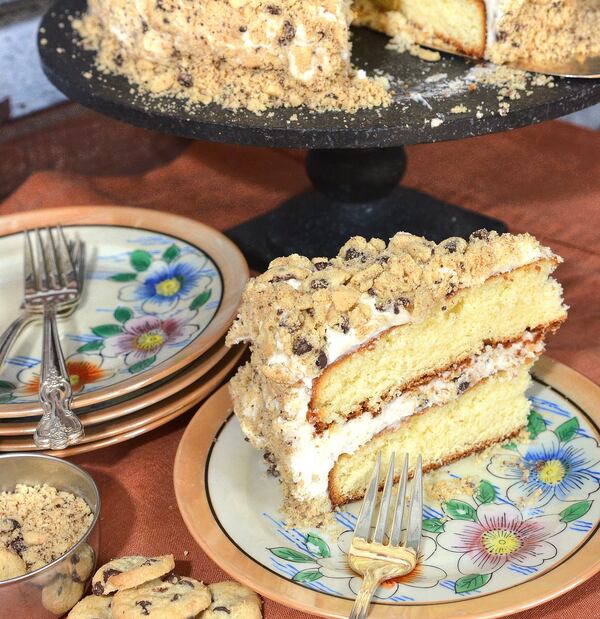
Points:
(147, 341)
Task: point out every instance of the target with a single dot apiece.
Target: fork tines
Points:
(49, 265)
(411, 521)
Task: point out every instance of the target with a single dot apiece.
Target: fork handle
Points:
(8, 337)
(59, 427)
(371, 580)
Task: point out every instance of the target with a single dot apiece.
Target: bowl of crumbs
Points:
(49, 534)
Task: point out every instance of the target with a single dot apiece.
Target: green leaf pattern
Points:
(535, 424)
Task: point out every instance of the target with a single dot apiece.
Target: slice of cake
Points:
(407, 347)
(538, 32)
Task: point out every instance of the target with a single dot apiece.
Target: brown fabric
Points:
(544, 179)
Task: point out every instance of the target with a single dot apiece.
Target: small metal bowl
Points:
(54, 589)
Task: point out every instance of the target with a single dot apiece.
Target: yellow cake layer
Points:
(490, 412)
(499, 310)
(458, 24)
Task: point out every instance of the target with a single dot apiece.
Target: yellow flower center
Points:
(551, 472)
(150, 340)
(168, 287)
(500, 542)
(74, 378)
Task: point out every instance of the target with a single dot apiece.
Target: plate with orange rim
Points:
(140, 422)
(197, 370)
(517, 525)
(160, 291)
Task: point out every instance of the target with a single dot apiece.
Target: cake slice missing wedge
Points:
(389, 347)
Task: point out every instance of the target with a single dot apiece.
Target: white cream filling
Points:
(494, 10)
(313, 456)
(339, 344)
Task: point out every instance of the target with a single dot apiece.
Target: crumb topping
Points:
(289, 313)
(254, 54)
(41, 523)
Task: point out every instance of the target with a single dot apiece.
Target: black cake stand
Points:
(355, 161)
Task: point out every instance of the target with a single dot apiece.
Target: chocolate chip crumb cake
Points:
(407, 347)
(260, 54)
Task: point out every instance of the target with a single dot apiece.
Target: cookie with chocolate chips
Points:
(62, 594)
(129, 572)
(92, 607)
(11, 565)
(231, 600)
(81, 563)
(170, 597)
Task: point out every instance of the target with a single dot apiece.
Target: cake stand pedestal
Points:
(355, 161)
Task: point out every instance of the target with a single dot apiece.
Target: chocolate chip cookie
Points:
(129, 572)
(62, 594)
(170, 597)
(11, 565)
(92, 607)
(231, 600)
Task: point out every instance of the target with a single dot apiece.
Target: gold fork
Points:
(371, 556)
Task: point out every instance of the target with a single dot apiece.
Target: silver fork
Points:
(52, 283)
(370, 555)
(26, 317)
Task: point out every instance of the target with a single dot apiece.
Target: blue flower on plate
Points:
(548, 467)
(164, 285)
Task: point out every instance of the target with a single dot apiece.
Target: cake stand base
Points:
(357, 193)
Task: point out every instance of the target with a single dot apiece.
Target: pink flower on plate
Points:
(144, 337)
(498, 536)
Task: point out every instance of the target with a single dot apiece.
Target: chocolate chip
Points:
(98, 588)
(109, 572)
(301, 346)
(463, 386)
(321, 361)
(185, 79)
(322, 265)
(279, 311)
(144, 26)
(160, 589)
(310, 311)
(75, 559)
(149, 561)
(451, 246)
(118, 60)
(274, 10)
(382, 259)
(344, 324)
(175, 597)
(18, 545)
(282, 278)
(399, 303)
(221, 609)
(289, 32)
(144, 604)
(351, 254)
(482, 234)
(272, 468)
(371, 292)
(318, 284)
(243, 28)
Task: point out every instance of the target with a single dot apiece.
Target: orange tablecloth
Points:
(544, 179)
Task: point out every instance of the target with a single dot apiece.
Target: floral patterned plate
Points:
(160, 290)
(154, 415)
(515, 526)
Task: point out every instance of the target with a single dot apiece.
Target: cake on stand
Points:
(355, 161)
